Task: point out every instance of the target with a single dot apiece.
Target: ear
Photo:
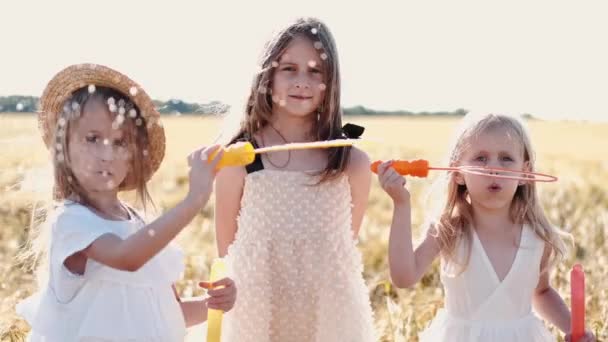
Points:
(459, 178)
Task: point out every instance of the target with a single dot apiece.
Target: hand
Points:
(393, 183)
(588, 337)
(222, 298)
(202, 173)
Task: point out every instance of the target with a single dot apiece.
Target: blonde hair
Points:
(454, 222)
(258, 109)
(66, 186)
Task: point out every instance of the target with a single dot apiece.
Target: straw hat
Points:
(75, 77)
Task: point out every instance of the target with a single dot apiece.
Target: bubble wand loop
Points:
(421, 168)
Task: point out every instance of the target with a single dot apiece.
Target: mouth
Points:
(300, 97)
(494, 187)
(105, 173)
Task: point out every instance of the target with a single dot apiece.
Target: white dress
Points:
(296, 264)
(103, 304)
(479, 307)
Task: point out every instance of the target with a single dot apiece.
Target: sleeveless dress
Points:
(103, 304)
(295, 262)
(480, 307)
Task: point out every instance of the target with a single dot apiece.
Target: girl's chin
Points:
(299, 112)
(108, 187)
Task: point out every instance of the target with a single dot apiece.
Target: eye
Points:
(480, 158)
(92, 138)
(288, 68)
(315, 70)
(120, 143)
(506, 159)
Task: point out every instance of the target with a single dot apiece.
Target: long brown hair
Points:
(258, 109)
(456, 216)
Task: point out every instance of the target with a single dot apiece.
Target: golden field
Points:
(578, 202)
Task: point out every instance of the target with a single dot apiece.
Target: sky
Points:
(546, 58)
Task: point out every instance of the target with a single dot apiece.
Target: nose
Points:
(493, 165)
(107, 152)
(302, 82)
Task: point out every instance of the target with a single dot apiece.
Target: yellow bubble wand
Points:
(214, 317)
(243, 153)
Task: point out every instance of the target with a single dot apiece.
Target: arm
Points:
(132, 253)
(195, 309)
(547, 302)
(229, 185)
(406, 265)
(359, 177)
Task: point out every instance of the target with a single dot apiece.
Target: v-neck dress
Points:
(481, 307)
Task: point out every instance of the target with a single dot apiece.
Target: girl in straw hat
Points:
(110, 274)
(288, 223)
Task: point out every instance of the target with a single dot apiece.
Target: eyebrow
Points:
(487, 152)
(317, 65)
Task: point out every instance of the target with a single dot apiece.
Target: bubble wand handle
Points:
(214, 317)
(577, 288)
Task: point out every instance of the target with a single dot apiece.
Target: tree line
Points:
(29, 104)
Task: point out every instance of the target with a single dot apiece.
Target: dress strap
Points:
(257, 164)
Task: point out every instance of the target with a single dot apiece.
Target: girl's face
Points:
(99, 154)
(494, 148)
(298, 83)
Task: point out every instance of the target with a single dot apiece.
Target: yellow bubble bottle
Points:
(238, 154)
(214, 317)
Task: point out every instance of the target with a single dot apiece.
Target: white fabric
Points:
(103, 304)
(294, 261)
(479, 307)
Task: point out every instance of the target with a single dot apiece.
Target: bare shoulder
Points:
(231, 177)
(229, 186)
(358, 162)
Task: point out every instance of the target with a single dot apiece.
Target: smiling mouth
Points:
(299, 97)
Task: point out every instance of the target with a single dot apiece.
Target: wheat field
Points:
(578, 203)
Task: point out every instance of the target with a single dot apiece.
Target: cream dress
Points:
(296, 264)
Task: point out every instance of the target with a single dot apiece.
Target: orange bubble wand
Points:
(243, 153)
(577, 289)
(420, 168)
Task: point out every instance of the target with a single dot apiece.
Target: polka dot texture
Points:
(296, 265)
